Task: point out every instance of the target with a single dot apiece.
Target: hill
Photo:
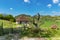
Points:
(9, 24)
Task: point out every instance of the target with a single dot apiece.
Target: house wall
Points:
(17, 22)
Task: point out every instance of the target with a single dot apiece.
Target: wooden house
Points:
(22, 19)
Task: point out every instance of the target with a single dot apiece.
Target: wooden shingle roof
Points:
(22, 18)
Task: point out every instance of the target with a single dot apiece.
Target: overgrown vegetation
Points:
(40, 26)
(7, 17)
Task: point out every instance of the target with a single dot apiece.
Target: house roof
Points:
(22, 18)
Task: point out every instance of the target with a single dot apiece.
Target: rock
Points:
(54, 27)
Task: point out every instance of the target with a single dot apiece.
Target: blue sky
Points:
(30, 7)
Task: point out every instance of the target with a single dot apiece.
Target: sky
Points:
(30, 7)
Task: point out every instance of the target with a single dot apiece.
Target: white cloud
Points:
(55, 1)
(49, 5)
(27, 1)
(11, 8)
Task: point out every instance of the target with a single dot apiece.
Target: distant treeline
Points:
(13, 19)
(7, 17)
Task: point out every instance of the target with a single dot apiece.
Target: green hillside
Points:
(39, 26)
(45, 25)
(8, 24)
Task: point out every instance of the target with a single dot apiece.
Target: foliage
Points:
(7, 17)
(1, 29)
(37, 32)
(42, 26)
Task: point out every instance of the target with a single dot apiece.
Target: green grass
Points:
(8, 24)
(45, 25)
(48, 24)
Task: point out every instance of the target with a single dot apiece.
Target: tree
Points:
(9, 18)
(36, 20)
(1, 16)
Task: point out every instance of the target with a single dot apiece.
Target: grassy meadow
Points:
(39, 26)
(45, 25)
(8, 24)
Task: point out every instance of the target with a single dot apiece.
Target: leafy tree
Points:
(36, 20)
(1, 16)
(22, 15)
(9, 18)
